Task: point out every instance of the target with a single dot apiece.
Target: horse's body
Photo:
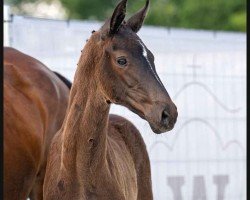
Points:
(35, 101)
(100, 156)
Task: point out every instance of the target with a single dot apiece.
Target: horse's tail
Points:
(65, 80)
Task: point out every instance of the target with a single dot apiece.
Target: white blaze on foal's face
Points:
(145, 54)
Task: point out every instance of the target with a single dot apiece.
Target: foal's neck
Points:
(85, 127)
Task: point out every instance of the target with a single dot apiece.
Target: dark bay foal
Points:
(100, 156)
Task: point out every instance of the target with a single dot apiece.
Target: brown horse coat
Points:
(35, 101)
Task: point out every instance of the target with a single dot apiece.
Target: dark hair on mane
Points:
(63, 79)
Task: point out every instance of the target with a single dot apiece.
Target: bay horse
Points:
(35, 103)
(100, 156)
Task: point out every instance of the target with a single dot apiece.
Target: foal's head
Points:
(127, 74)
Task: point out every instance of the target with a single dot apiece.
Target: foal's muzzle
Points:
(162, 118)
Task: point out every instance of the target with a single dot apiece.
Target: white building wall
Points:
(6, 18)
(204, 157)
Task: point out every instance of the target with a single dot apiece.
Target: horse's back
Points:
(35, 102)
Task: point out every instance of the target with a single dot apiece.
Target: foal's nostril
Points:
(165, 117)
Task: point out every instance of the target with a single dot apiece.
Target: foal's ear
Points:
(135, 22)
(117, 17)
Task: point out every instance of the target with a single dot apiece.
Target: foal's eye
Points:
(122, 62)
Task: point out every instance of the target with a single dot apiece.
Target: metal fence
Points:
(204, 157)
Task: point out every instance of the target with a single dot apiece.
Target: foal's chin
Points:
(160, 129)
